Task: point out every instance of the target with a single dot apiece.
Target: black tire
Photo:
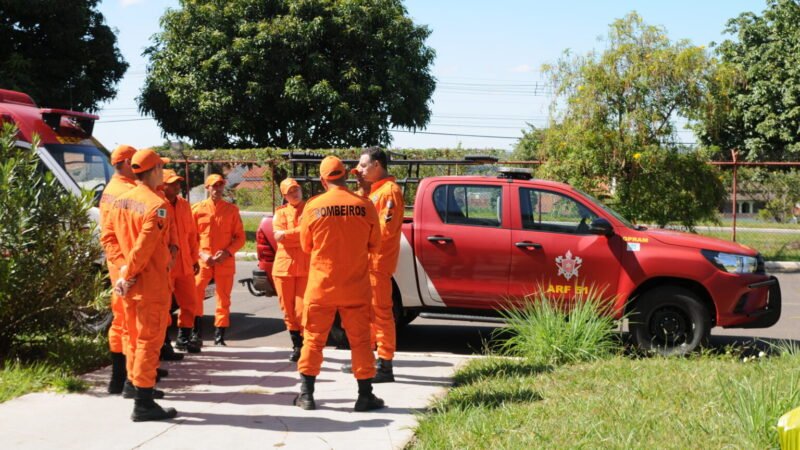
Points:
(670, 320)
(94, 322)
(402, 316)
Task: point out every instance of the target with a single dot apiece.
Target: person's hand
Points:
(221, 256)
(122, 286)
(207, 259)
(279, 235)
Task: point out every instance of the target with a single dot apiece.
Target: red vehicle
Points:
(66, 146)
(479, 244)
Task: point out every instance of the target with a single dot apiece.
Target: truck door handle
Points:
(440, 239)
(528, 244)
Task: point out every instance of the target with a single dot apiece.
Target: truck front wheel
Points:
(670, 320)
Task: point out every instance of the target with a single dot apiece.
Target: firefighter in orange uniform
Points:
(186, 261)
(362, 187)
(290, 269)
(139, 232)
(122, 181)
(387, 197)
(339, 229)
(221, 235)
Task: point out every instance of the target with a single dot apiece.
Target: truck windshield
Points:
(88, 166)
(605, 208)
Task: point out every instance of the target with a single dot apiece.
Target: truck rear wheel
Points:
(670, 320)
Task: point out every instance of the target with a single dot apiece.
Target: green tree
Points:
(616, 106)
(755, 106)
(288, 73)
(61, 53)
(528, 148)
(48, 282)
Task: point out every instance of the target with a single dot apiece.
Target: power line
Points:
(455, 134)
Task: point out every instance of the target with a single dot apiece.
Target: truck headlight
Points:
(732, 263)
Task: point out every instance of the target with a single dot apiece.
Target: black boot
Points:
(197, 332)
(145, 408)
(367, 401)
(129, 391)
(168, 353)
(184, 341)
(118, 373)
(306, 398)
(161, 373)
(297, 345)
(219, 336)
(384, 372)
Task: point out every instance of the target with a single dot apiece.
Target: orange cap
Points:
(213, 179)
(331, 168)
(288, 184)
(170, 176)
(121, 153)
(146, 159)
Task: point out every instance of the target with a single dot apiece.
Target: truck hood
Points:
(671, 237)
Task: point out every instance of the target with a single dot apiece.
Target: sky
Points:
(487, 66)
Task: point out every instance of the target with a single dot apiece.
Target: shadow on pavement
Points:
(295, 424)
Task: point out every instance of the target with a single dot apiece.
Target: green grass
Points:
(546, 332)
(774, 246)
(250, 227)
(709, 401)
(38, 364)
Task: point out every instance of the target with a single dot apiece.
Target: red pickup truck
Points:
(479, 244)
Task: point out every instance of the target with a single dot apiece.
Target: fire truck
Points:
(66, 146)
(477, 245)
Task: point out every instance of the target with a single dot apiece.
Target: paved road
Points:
(257, 322)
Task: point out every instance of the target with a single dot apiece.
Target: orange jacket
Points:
(290, 259)
(139, 230)
(219, 227)
(117, 186)
(387, 197)
(186, 235)
(339, 229)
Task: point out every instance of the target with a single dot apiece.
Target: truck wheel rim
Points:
(670, 326)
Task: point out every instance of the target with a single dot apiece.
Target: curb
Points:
(782, 266)
(246, 256)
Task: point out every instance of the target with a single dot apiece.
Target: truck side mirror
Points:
(602, 227)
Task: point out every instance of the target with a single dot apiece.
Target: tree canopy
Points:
(756, 105)
(615, 121)
(288, 73)
(60, 53)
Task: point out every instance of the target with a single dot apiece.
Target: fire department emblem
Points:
(568, 266)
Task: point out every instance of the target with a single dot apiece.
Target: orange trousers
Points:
(383, 331)
(223, 280)
(147, 324)
(117, 331)
(290, 294)
(317, 322)
(185, 293)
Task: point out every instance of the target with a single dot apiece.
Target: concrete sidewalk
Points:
(232, 399)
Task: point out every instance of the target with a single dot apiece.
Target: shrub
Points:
(555, 332)
(47, 251)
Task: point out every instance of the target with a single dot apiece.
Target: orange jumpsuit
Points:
(182, 272)
(339, 229)
(140, 233)
(387, 197)
(290, 269)
(219, 227)
(116, 334)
